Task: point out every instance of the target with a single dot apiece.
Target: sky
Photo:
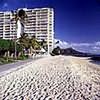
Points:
(77, 22)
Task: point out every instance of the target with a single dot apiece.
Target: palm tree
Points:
(43, 44)
(19, 16)
(29, 44)
(35, 45)
(24, 41)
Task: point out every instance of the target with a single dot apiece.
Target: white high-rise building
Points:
(40, 23)
(7, 27)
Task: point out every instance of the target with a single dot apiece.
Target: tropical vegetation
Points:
(22, 47)
(25, 47)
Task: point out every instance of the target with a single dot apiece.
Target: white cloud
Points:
(5, 5)
(62, 44)
(84, 47)
(97, 43)
(81, 44)
(97, 48)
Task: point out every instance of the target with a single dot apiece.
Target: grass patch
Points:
(5, 60)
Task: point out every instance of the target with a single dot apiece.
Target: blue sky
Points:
(77, 22)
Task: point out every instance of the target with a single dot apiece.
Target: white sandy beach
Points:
(53, 78)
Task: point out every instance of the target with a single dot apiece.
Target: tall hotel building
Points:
(40, 23)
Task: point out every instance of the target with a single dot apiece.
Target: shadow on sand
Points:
(95, 62)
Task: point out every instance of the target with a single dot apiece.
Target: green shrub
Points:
(23, 57)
